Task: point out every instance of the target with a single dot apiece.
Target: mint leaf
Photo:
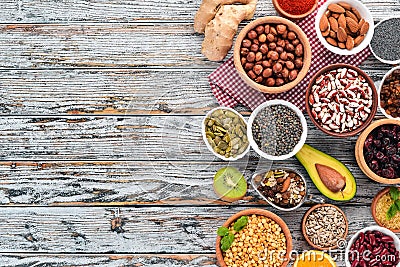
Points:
(222, 231)
(226, 242)
(397, 202)
(240, 223)
(394, 193)
(391, 211)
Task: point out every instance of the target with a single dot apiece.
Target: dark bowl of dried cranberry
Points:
(378, 151)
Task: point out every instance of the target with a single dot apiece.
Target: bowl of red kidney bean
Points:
(341, 100)
(378, 151)
(272, 54)
(373, 246)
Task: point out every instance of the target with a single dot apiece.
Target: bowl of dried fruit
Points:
(277, 130)
(272, 54)
(385, 208)
(254, 235)
(224, 132)
(377, 151)
(341, 100)
(389, 94)
(344, 27)
(325, 226)
(284, 189)
(373, 246)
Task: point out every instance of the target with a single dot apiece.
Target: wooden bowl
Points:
(373, 208)
(291, 16)
(303, 226)
(262, 212)
(359, 151)
(300, 35)
(374, 97)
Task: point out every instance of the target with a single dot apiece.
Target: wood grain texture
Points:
(139, 183)
(132, 10)
(111, 260)
(145, 229)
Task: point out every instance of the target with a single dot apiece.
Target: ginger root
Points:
(219, 20)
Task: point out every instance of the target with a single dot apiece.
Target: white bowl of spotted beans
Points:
(341, 100)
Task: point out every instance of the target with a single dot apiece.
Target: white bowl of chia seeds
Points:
(224, 131)
(385, 41)
(277, 130)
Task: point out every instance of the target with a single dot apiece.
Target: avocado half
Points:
(309, 156)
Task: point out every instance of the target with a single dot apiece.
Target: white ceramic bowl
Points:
(203, 132)
(272, 103)
(371, 228)
(379, 93)
(392, 62)
(365, 14)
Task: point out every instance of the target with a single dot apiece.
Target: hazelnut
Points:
(298, 63)
(260, 29)
(272, 46)
(299, 50)
(252, 34)
(279, 82)
(290, 56)
(285, 73)
(289, 65)
(292, 75)
(258, 69)
(289, 47)
(259, 56)
(266, 64)
(295, 42)
(291, 35)
(259, 79)
(264, 48)
(273, 55)
(270, 37)
(251, 74)
(251, 57)
(267, 73)
(244, 51)
(281, 28)
(255, 41)
(243, 61)
(266, 29)
(270, 82)
(262, 38)
(277, 68)
(246, 43)
(279, 49)
(281, 43)
(248, 66)
(284, 35)
(273, 31)
(283, 55)
(254, 48)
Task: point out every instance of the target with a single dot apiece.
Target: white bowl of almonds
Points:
(344, 27)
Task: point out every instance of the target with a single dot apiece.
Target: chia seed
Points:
(386, 39)
(277, 130)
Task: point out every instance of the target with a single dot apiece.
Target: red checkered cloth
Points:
(230, 89)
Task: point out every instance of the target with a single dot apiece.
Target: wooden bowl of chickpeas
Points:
(265, 240)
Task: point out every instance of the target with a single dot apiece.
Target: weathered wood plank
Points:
(144, 230)
(169, 45)
(155, 260)
(115, 91)
(138, 183)
(132, 10)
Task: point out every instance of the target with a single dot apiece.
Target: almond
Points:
(342, 45)
(334, 24)
(352, 25)
(326, 33)
(344, 5)
(323, 23)
(336, 8)
(331, 41)
(342, 21)
(285, 185)
(351, 15)
(358, 40)
(335, 15)
(364, 28)
(331, 178)
(355, 11)
(349, 43)
(341, 35)
(332, 34)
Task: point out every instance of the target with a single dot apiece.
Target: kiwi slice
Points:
(229, 184)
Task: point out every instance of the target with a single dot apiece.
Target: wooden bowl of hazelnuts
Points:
(272, 54)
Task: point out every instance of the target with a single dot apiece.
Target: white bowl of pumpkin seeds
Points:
(224, 132)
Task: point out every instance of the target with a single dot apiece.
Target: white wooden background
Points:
(101, 103)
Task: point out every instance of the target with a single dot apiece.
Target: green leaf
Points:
(391, 212)
(240, 223)
(397, 202)
(394, 193)
(222, 231)
(226, 241)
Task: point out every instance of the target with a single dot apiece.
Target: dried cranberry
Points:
(391, 150)
(374, 165)
(385, 141)
(377, 143)
(379, 135)
(369, 156)
(385, 159)
(388, 173)
(368, 145)
(379, 155)
(396, 158)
